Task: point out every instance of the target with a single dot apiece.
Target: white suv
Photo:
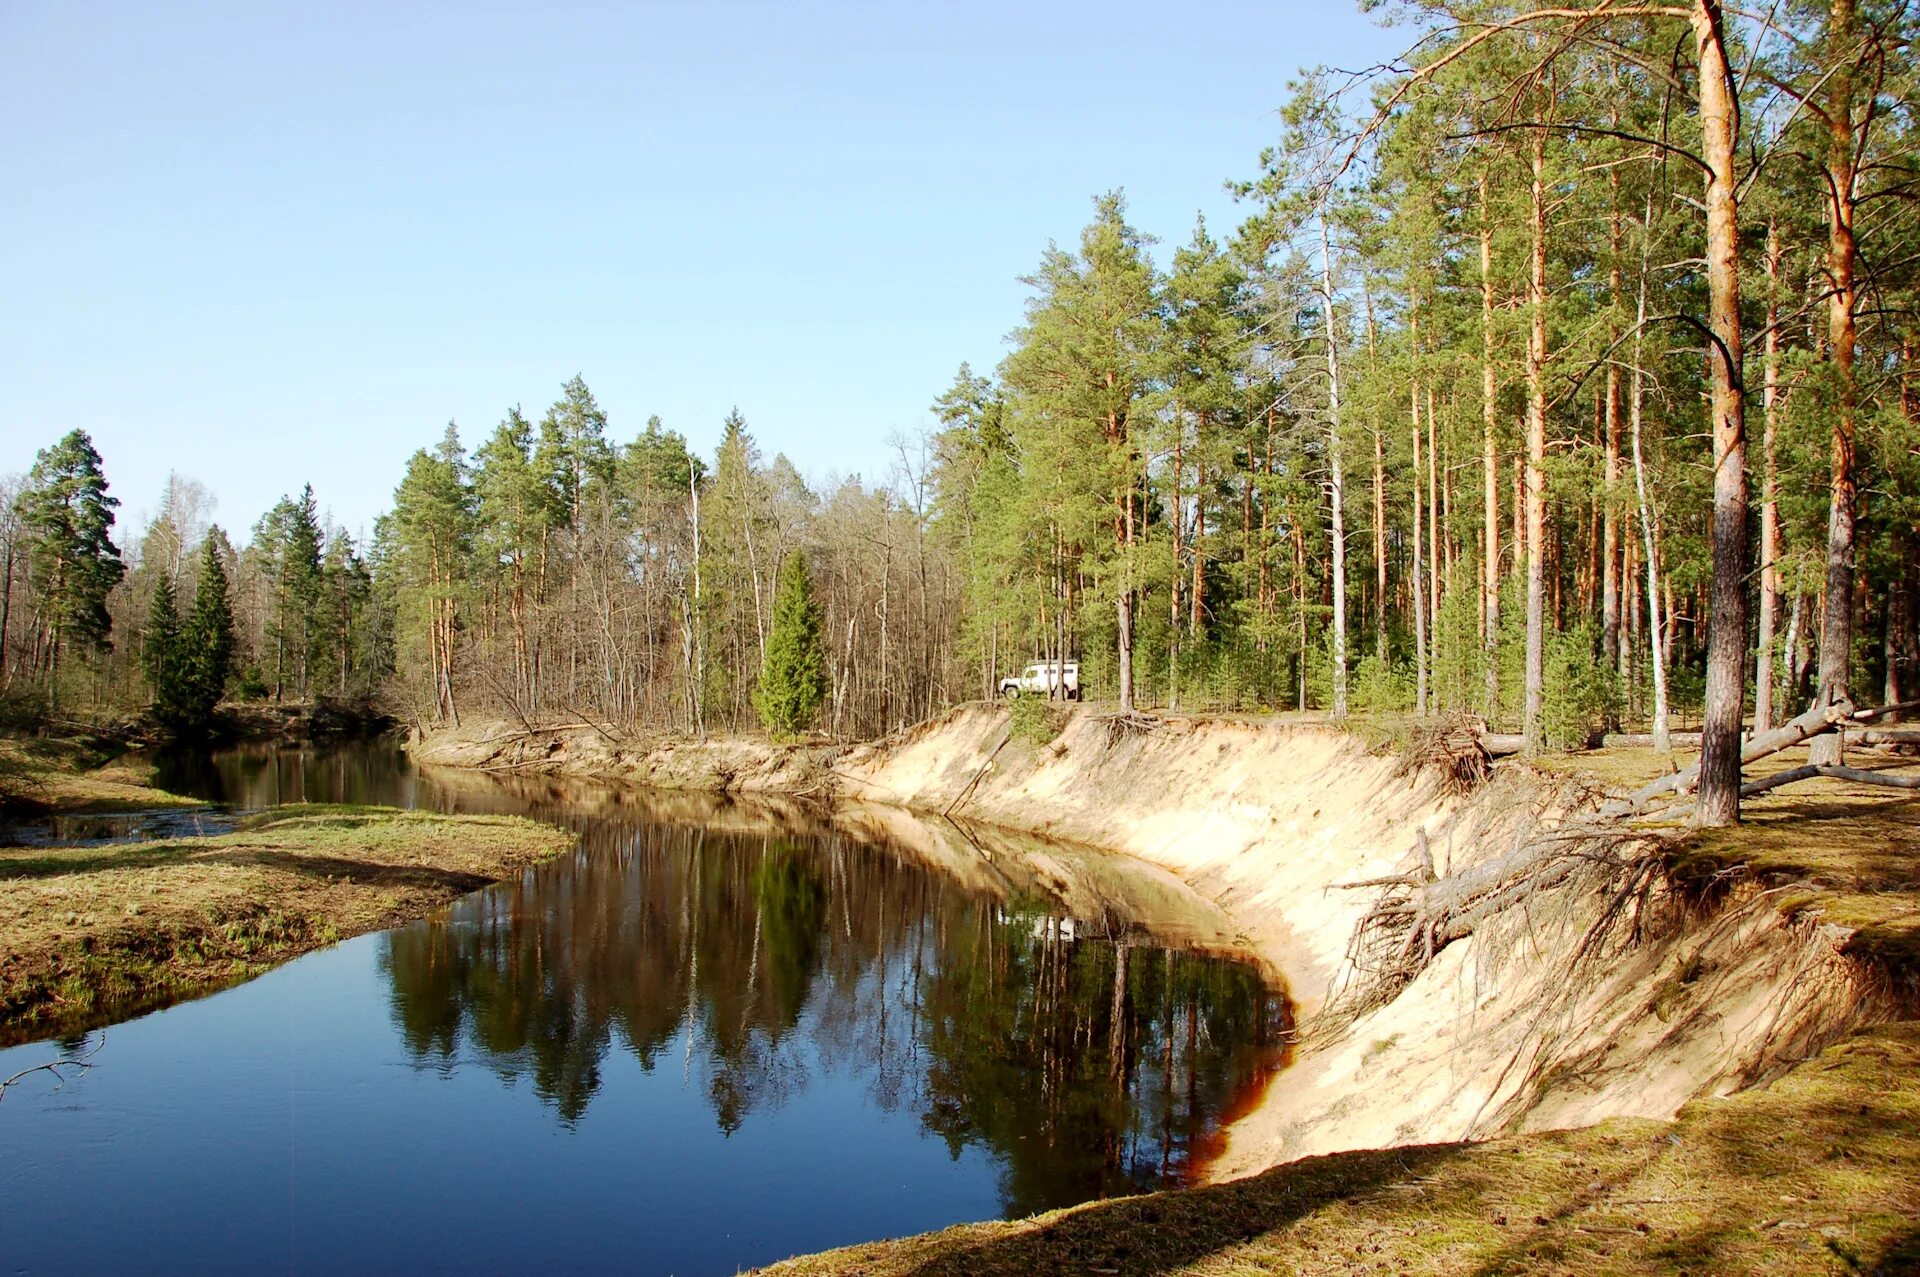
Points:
(1044, 678)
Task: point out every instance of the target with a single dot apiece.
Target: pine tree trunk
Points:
(1489, 460)
(1763, 676)
(1434, 574)
(1338, 531)
(1379, 515)
(1836, 627)
(1727, 610)
(1419, 587)
(1534, 721)
(1610, 438)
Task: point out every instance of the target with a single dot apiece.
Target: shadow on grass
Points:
(1165, 1232)
(1818, 1172)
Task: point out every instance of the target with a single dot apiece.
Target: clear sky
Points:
(268, 244)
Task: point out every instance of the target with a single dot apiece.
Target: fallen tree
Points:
(1420, 912)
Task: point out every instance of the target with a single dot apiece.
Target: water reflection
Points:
(1087, 1062)
(1065, 1013)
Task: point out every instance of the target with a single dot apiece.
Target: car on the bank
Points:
(1044, 678)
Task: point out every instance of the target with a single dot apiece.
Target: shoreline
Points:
(92, 935)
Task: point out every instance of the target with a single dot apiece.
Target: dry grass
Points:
(1847, 853)
(72, 776)
(92, 934)
(1819, 1173)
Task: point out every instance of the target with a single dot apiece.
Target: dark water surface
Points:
(716, 1035)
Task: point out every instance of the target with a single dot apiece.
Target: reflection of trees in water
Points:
(752, 963)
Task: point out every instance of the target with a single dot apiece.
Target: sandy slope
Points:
(1517, 1027)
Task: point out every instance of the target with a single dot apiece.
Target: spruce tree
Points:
(161, 652)
(793, 682)
(206, 641)
(187, 663)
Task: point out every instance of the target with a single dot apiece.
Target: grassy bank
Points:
(1845, 853)
(1819, 1173)
(93, 934)
(69, 774)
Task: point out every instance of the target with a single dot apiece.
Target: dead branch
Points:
(79, 1063)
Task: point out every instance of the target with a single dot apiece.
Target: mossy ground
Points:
(1844, 852)
(93, 934)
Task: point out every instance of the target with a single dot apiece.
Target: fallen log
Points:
(1872, 736)
(1502, 744)
(1644, 740)
(1819, 719)
(1873, 715)
(1859, 775)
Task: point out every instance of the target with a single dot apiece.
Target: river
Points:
(716, 1034)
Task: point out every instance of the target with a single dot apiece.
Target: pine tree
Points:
(67, 518)
(426, 544)
(793, 681)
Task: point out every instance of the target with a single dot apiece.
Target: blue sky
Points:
(268, 244)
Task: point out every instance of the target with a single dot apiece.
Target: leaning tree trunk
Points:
(1727, 600)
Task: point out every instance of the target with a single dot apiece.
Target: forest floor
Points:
(95, 933)
(1846, 853)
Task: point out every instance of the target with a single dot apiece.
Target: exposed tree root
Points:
(1123, 724)
(1456, 748)
(1420, 912)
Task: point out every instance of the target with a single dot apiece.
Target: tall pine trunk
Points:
(1763, 671)
(1610, 438)
(1489, 459)
(1836, 627)
(1727, 603)
(1337, 482)
(1534, 722)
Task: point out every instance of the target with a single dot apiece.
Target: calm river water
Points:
(716, 1035)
